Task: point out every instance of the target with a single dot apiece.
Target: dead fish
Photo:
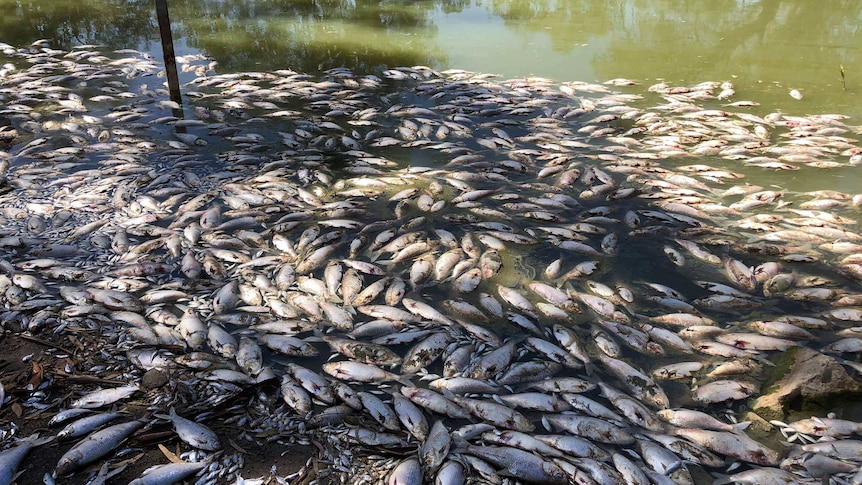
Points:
(359, 372)
(193, 433)
(11, 458)
(519, 464)
(95, 446)
(104, 397)
(735, 445)
(170, 473)
(409, 471)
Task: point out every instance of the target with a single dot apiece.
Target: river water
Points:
(765, 48)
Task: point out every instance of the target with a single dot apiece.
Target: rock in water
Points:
(813, 377)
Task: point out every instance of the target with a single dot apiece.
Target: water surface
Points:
(765, 48)
(764, 45)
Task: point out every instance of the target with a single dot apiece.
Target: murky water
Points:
(764, 47)
(271, 36)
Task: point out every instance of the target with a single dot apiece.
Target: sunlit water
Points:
(764, 48)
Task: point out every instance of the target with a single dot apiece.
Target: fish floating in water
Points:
(555, 287)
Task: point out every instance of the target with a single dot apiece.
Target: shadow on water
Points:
(758, 41)
(312, 36)
(306, 36)
(115, 24)
(642, 250)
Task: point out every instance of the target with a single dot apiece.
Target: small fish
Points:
(408, 472)
(436, 446)
(104, 397)
(169, 473)
(359, 372)
(11, 458)
(519, 463)
(192, 433)
(95, 446)
(87, 424)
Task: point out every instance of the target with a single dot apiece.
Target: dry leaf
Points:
(238, 448)
(130, 461)
(170, 455)
(77, 343)
(36, 376)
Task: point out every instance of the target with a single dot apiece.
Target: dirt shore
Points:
(37, 360)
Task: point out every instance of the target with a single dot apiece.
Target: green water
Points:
(764, 47)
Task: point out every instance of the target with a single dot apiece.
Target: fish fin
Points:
(263, 375)
(547, 424)
(115, 471)
(35, 440)
(405, 380)
(721, 479)
(675, 466)
(313, 339)
(502, 472)
(459, 444)
(590, 368)
(170, 416)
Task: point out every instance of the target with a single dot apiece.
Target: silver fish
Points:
(193, 433)
(95, 446)
(11, 458)
(166, 474)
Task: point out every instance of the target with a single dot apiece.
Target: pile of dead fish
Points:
(435, 277)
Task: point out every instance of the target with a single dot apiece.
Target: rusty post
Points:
(168, 50)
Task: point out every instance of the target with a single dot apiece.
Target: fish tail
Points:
(316, 337)
(459, 444)
(764, 360)
(171, 414)
(35, 440)
(739, 427)
(405, 380)
(721, 479)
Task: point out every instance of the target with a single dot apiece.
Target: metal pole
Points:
(168, 50)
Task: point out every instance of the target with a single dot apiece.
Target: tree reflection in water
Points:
(709, 40)
(244, 35)
(640, 39)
